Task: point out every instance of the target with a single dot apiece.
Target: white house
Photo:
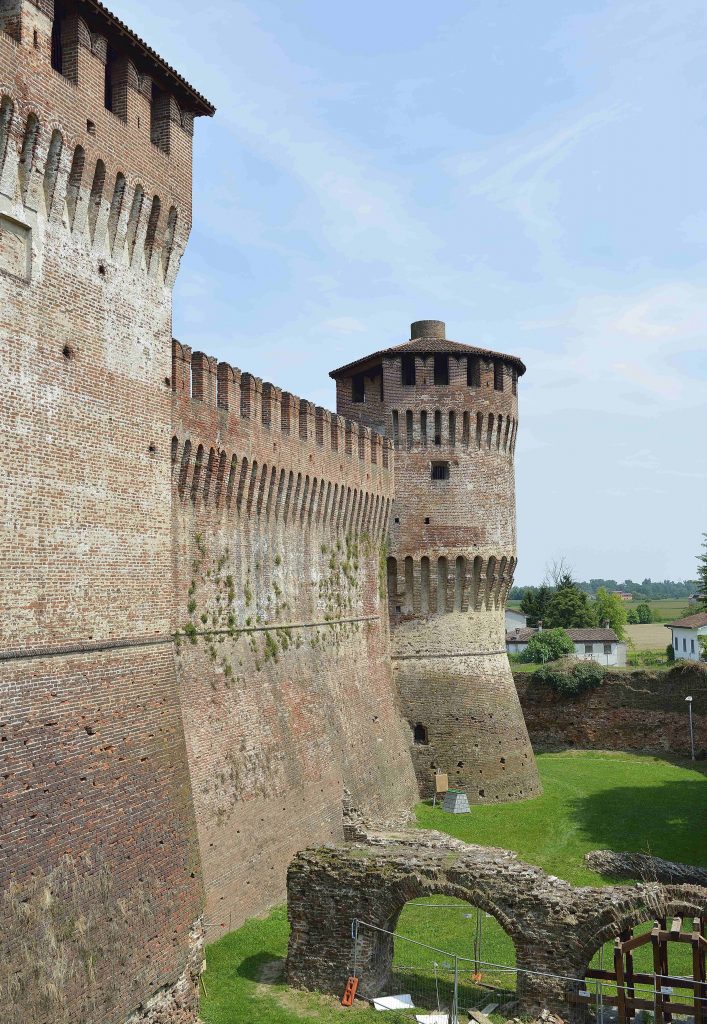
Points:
(515, 620)
(686, 633)
(600, 645)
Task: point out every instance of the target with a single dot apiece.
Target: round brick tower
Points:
(452, 413)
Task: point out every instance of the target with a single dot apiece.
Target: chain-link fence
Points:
(416, 981)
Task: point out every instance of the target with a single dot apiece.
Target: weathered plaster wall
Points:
(639, 711)
(284, 661)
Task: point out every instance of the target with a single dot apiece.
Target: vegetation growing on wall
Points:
(75, 939)
(570, 678)
(256, 612)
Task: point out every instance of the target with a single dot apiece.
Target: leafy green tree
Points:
(644, 613)
(702, 573)
(702, 641)
(631, 617)
(547, 645)
(534, 604)
(569, 606)
(610, 608)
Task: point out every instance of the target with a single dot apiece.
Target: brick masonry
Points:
(280, 512)
(641, 711)
(99, 840)
(556, 928)
(452, 553)
(148, 492)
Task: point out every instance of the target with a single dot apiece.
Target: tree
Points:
(631, 617)
(702, 573)
(547, 645)
(702, 641)
(534, 604)
(610, 608)
(569, 606)
(644, 613)
(555, 572)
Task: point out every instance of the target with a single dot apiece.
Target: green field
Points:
(591, 800)
(663, 611)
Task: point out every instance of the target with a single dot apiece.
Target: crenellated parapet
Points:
(242, 446)
(95, 141)
(451, 412)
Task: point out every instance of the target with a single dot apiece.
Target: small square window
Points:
(358, 391)
(440, 471)
(427, 520)
(589, 648)
(398, 607)
(607, 648)
(396, 520)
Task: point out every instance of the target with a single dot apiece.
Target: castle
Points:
(198, 675)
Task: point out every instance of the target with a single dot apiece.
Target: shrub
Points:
(670, 652)
(547, 645)
(644, 613)
(570, 678)
(684, 667)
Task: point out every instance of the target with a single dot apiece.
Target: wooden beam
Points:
(620, 991)
(657, 965)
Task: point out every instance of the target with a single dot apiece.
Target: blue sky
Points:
(535, 174)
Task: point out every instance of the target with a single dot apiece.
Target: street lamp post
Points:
(692, 734)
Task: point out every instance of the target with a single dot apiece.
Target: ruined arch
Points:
(555, 927)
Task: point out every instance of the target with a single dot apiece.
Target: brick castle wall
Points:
(99, 851)
(284, 662)
(642, 711)
(452, 554)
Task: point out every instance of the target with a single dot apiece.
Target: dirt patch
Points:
(310, 1005)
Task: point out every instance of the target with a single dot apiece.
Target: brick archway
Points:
(555, 927)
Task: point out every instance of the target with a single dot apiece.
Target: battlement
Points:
(219, 386)
(95, 136)
(48, 179)
(245, 445)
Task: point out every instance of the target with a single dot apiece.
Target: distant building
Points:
(686, 633)
(622, 595)
(515, 620)
(596, 644)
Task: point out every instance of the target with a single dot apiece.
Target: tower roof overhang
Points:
(121, 35)
(424, 347)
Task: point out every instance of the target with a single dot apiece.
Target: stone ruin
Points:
(556, 927)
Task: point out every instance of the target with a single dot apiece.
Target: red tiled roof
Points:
(690, 621)
(428, 346)
(586, 636)
(577, 636)
(519, 636)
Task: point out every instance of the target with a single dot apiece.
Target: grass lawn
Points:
(591, 800)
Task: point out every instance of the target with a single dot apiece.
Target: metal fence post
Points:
(455, 994)
(354, 936)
